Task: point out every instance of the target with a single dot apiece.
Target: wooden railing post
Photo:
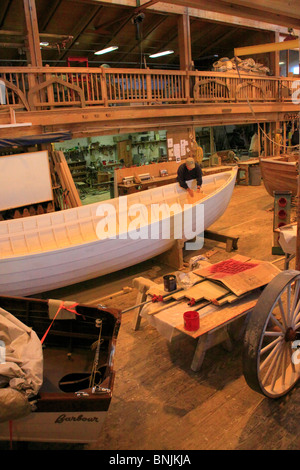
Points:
(103, 85)
(187, 80)
(50, 94)
(32, 82)
(149, 86)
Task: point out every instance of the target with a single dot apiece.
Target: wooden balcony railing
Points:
(34, 88)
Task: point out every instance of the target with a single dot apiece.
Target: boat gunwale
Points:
(45, 398)
(232, 172)
(278, 162)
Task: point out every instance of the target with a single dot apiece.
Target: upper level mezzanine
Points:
(99, 100)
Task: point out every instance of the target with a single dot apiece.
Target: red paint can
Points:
(191, 320)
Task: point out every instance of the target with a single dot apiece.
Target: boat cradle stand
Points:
(174, 256)
(231, 242)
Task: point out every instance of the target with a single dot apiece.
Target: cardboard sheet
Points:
(240, 274)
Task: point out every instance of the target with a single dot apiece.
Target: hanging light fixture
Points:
(160, 54)
(107, 49)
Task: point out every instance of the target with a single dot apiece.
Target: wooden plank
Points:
(66, 180)
(221, 317)
(205, 290)
(263, 48)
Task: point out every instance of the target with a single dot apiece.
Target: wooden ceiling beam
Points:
(51, 10)
(11, 45)
(277, 7)
(153, 27)
(4, 32)
(145, 6)
(289, 20)
(217, 41)
(122, 24)
(216, 11)
(195, 39)
(87, 19)
(5, 6)
(102, 28)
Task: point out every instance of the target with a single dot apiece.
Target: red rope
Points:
(62, 306)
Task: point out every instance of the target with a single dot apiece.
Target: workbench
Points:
(147, 184)
(221, 319)
(244, 166)
(155, 180)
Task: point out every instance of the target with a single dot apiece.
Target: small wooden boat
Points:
(280, 173)
(77, 373)
(49, 251)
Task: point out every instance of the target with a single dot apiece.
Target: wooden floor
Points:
(158, 402)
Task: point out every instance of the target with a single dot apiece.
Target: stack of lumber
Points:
(69, 190)
(248, 66)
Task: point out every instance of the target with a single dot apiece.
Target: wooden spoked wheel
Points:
(271, 360)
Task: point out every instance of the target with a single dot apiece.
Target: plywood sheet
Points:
(24, 179)
(222, 316)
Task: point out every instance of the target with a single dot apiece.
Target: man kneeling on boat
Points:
(189, 171)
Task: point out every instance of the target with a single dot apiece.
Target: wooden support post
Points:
(265, 140)
(185, 50)
(174, 256)
(297, 266)
(33, 38)
(231, 242)
(184, 41)
(211, 141)
(142, 285)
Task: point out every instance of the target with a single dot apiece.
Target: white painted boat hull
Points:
(50, 251)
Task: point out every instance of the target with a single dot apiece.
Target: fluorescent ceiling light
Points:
(281, 63)
(108, 49)
(159, 54)
(44, 43)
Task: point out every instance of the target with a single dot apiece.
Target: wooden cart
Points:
(222, 293)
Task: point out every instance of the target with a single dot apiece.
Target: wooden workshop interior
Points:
(101, 99)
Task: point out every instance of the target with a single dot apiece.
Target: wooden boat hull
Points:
(26, 272)
(66, 416)
(279, 175)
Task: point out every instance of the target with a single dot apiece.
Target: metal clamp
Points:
(98, 389)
